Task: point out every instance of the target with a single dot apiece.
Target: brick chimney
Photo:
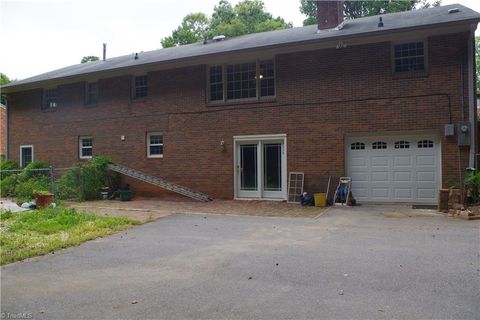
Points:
(329, 14)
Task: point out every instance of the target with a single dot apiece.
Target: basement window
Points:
(50, 99)
(140, 89)
(91, 93)
(155, 145)
(26, 155)
(250, 80)
(86, 147)
(409, 57)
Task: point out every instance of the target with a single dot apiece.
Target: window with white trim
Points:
(86, 147)
(26, 155)
(409, 57)
(155, 145)
(250, 80)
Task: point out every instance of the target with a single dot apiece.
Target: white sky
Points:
(43, 35)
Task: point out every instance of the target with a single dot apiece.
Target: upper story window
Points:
(409, 57)
(50, 99)
(91, 93)
(242, 81)
(155, 145)
(86, 147)
(140, 87)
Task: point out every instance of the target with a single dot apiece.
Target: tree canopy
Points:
(3, 80)
(357, 9)
(248, 16)
(89, 58)
(477, 62)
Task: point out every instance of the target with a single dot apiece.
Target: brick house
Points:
(373, 98)
(3, 131)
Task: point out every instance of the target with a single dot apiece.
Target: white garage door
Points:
(394, 168)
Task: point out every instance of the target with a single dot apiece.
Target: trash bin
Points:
(125, 195)
(320, 199)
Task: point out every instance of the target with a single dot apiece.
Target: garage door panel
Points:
(379, 161)
(426, 194)
(426, 160)
(403, 193)
(380, 176)
(402, 176)
(356, 162)
(380, 193)
(402, 161)
(425, 176)
(359, 176)
(408, 173)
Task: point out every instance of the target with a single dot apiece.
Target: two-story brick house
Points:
(372, 98)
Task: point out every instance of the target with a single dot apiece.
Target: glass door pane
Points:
(248, 167)
(272, 167)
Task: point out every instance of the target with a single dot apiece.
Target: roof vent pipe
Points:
(454, 10)
(104, 51)
(380, 22)
(136, 56)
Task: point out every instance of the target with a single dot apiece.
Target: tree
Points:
(191, 30)
(4, 80)
(357, 9)
(248, 16)
(89, 58)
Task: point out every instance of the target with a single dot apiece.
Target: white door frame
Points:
(259, 140)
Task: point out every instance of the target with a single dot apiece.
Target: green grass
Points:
(32, 233)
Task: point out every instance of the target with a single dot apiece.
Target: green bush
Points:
(7, 165)
(25, 189)
(7, 186)
(86, 179)
(25, 175)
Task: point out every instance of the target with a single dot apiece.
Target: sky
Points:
(38, 36)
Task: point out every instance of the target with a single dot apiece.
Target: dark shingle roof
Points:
(362, 26)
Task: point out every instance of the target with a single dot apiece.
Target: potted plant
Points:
(42, 198)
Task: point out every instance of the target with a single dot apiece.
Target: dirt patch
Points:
(410, 214)
(151, 209)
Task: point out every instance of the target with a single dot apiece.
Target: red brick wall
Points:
(321, 97)
(3, 131)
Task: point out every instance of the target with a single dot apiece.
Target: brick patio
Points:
(151, 209)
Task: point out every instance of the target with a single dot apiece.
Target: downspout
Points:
(471, 96)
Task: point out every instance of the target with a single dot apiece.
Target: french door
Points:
(260, 167)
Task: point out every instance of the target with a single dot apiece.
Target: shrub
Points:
(86, 179)
(7, 165)
(7, 186)
(25, 189)
(25, 175)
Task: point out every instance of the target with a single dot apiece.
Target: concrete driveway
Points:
(374, 262)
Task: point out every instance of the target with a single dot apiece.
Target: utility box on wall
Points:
(463, 133)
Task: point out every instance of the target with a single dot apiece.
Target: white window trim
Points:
(149, 145)
(80, 147)
(25, 146)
